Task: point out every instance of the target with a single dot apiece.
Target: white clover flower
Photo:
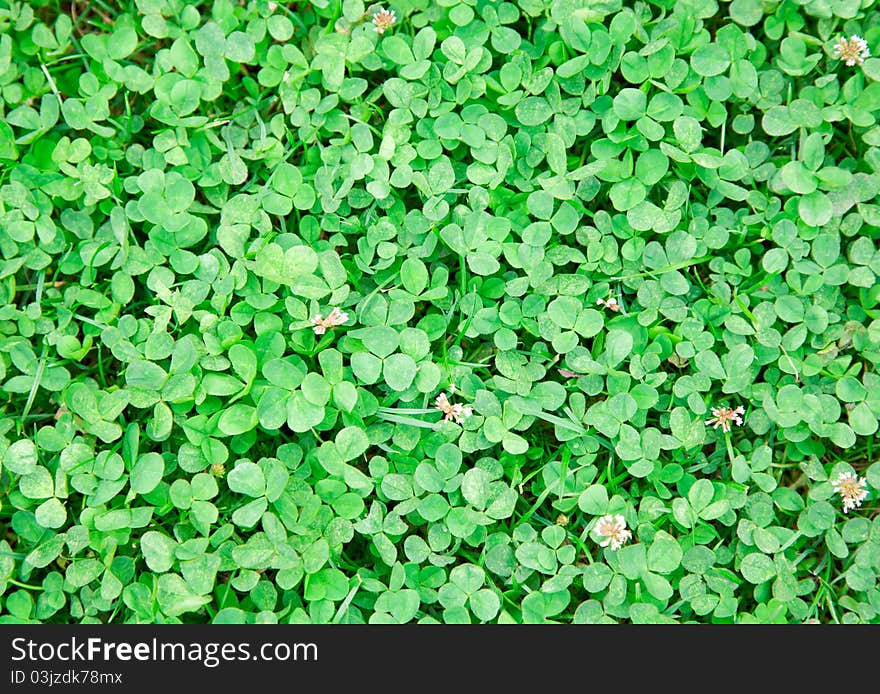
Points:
(613, 530)
(334, 318)
(851, 489)
(610, 303)
(455, 412)
(852, 51)
(447, 408)
(723, 417)
(383, 19)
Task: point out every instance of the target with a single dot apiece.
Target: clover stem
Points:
(730, 453)
(26, 586)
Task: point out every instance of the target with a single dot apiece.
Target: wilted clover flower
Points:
(852, 51)
(723, 417)
(851, 489)
(613, 530)
(383, 19)
(610, 303)
(456, 412)
(334, 318)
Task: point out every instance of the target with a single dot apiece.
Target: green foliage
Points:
(245, 247)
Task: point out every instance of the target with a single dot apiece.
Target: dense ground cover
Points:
(555, 310)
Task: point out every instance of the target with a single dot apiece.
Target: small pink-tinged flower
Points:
(383, 19)
(723, 417)
(455, 412)
(442, 403)
(852, 51)
(851, 489)
(613, 530)
(334, 318)
(610, 303)
(273, 6)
